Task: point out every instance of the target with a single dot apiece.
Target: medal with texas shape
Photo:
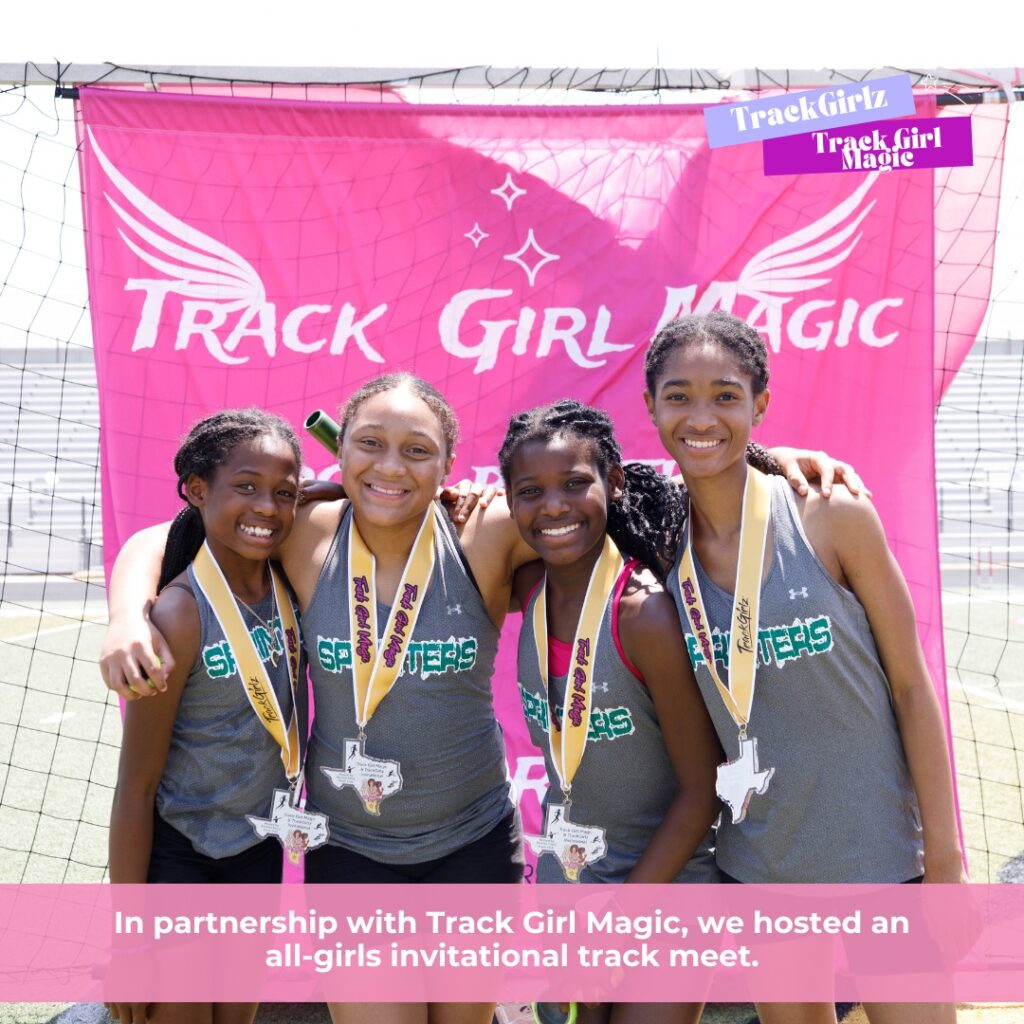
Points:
(575, 846)
(739, 780)
(371, 777)
(297, 830)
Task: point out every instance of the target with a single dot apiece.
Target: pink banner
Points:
(643, 943)
(281, 253)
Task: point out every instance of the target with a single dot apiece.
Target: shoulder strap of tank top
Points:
(620, 588)
(786, 523)
(332, 551)
(448, 527)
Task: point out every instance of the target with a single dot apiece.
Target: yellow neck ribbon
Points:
(253, 672)
(376, 667)
(567, 750)
(738, 696)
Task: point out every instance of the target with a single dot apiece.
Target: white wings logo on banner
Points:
(199, 266)
(215, 281)
(794, 264)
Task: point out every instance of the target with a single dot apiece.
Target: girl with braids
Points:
(629, 749)
(837, 768)
(197, 765)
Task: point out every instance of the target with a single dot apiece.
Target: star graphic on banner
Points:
(508, 190)
(531, 245)
(476, 236)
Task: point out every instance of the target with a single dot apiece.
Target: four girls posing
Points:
(378, 576)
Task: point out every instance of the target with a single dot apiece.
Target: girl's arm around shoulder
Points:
(837, 522)
(148, 725)
(851, 532)
(303, 552)
(133, 651)
(495, 550)
(653, 642)
(524, 583)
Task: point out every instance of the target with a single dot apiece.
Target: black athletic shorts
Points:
(175, 859)
(729, 880)
(495, 857)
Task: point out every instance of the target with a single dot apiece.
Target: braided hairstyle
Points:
(419, 387)
(646, 521)
(206, 447)
(738, 338)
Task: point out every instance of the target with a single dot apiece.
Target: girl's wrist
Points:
(937, 859)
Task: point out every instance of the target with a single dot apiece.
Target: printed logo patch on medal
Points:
(373, 778)
(575, 846)
(298, 831)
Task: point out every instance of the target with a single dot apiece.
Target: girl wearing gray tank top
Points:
(180, 807)
(706, 382)
(647, 798)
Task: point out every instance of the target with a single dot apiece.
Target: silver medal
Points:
(739, 780)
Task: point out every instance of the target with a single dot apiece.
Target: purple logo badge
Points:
(909, 143)
(797, 113)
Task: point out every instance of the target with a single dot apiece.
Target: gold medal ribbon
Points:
(568, 751)
(739, 694)
(258, 687)
(376, 668)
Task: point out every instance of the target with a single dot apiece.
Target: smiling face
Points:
(393, 458)
(559, 499)
(248, 506)
(704, 407)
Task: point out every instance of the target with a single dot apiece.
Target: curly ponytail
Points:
(647, 521)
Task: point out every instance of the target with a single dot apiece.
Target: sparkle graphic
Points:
(476, 236)
(508, 190)
(531, 245)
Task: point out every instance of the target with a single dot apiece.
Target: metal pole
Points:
(65, 77)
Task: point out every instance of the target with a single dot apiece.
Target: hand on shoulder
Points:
(841, 527)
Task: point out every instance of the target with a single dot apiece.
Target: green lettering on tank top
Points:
(423, 657)
(781, 644)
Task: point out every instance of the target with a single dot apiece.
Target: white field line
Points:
(57, 718)
(47, 632)
(1001, 703)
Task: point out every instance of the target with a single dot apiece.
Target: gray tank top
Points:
(625, 782)
(840, 806)
(222, 763)
(438, 721)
